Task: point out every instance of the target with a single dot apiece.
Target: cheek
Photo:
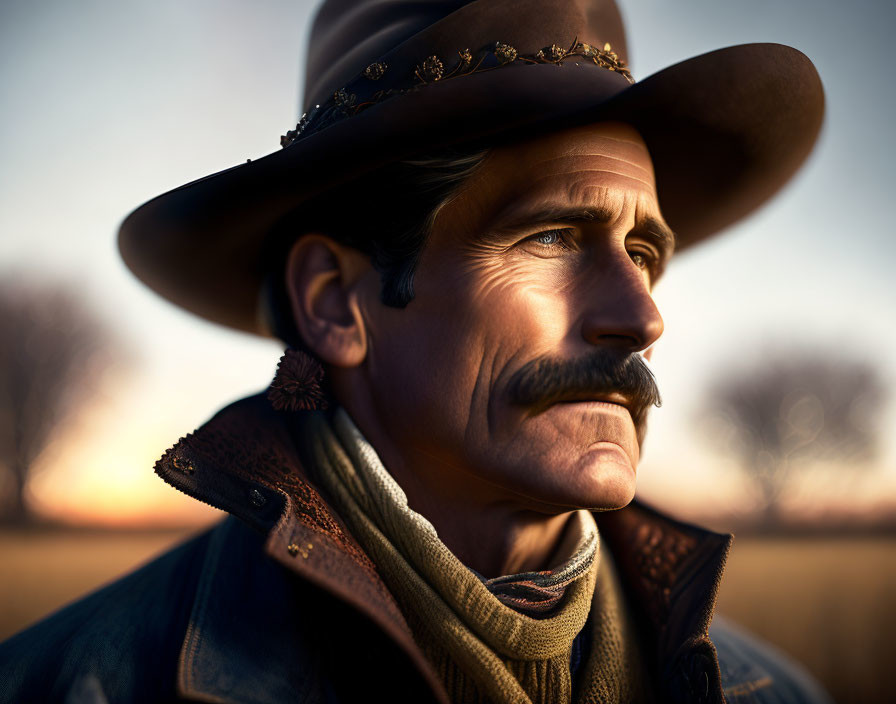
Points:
(520, 309)
(423, 361)
(443, 356)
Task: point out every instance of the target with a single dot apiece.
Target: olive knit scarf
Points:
(483, 649)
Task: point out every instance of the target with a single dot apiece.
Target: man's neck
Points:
(488, 530)
(522, 542)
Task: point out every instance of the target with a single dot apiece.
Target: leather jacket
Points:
(278, 603)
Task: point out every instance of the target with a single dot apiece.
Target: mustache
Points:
(545, 381)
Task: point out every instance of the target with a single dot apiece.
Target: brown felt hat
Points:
(387, 79)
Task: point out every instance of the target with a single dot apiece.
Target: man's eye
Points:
(641, 260)
(549, 238)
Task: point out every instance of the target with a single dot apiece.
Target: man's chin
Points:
(608, 477)
(620, 500)
(601, 480)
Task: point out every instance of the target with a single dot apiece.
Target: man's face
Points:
(540, 270)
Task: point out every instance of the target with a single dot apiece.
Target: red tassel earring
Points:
(297, 383)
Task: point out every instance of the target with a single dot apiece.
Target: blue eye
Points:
(549, 238)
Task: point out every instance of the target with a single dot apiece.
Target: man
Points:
(433, 502)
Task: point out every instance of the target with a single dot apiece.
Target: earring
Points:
(297, 383)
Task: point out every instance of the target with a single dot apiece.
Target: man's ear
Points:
(321, 280)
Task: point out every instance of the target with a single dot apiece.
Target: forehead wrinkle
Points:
(585, 141)
(576, 196)
(589, 157)
(649, 184)
(487, 198)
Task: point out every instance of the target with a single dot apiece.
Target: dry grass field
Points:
(829, 602)
(41, 570)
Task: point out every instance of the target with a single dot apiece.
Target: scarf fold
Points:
(540, 594)
(507, 639)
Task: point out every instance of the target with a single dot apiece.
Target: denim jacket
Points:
(278, 603)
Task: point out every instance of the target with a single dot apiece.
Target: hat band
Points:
(369, 89)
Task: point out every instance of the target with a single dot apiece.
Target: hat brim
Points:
(725, 131)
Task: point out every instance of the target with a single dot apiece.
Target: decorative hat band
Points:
(368, 88)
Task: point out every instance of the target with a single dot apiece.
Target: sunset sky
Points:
(109, 103)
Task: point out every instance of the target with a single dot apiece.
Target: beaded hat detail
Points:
(360, 94)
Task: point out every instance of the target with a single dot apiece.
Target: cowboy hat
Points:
(388, 80)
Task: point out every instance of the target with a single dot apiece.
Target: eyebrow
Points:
(658, 231)
(649, 226)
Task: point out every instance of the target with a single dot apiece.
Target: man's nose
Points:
(620, 311)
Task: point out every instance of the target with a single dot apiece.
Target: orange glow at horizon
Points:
(81, 478)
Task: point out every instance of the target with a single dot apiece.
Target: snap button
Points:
(295, 549)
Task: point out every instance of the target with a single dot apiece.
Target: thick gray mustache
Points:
(545, 381)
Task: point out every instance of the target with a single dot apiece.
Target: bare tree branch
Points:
(793, 409)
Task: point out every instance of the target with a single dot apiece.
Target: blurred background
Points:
(777, 382)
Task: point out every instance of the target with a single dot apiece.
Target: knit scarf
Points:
(503, 640)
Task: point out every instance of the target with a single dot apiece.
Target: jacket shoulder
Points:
(126, 635)
(755, 672)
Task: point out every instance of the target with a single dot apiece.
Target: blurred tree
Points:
(52, 354)
(793, 409)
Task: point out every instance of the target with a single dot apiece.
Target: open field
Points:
(829, 602)
(42, 570)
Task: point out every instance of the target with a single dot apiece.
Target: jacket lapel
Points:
(672, 572)
(244, 461)
(240, 645)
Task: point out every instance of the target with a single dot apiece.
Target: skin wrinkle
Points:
(497, 482)
(646, 224)
(626, 156)
(621, 174)
(480, 388)
(592, 163)
(552, 215)
(595, 162)
(552, 196)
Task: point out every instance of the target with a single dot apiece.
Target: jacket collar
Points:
(245, 461)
